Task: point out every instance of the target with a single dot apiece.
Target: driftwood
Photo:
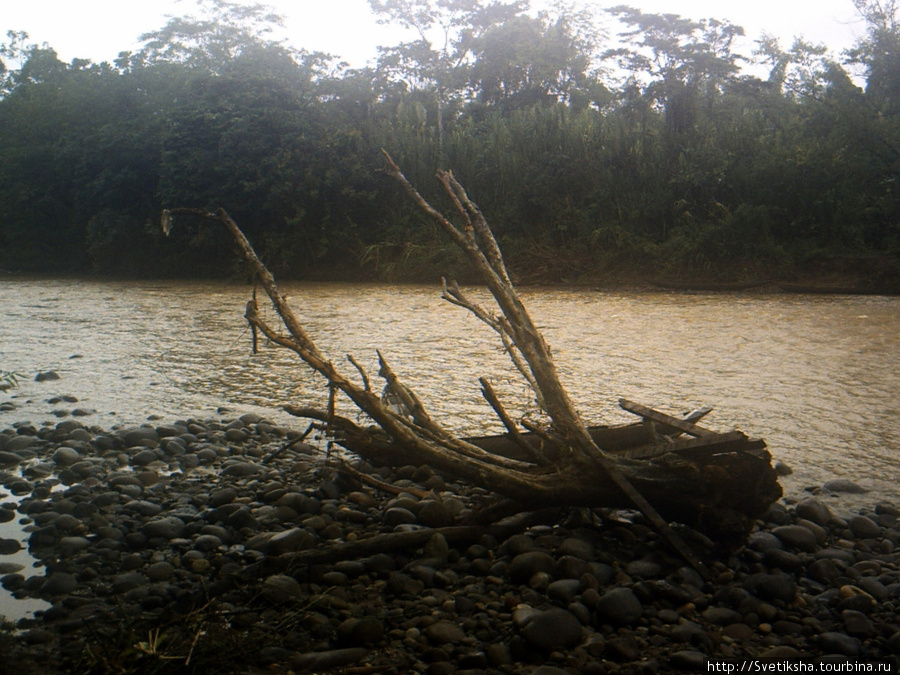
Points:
(717, 482)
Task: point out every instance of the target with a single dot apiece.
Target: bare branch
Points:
(491, 397)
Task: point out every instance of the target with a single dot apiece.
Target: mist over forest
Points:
(602, 145)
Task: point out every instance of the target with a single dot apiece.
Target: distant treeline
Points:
(646, 149)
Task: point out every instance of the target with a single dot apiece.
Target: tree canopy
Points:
(604, 145)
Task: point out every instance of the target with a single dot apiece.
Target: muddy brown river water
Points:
(816, 376)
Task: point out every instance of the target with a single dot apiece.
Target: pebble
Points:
(772, 586)
(554, 629)
(145, 521)
(66, 456)
(328, 660)
(166, 527)
(688, 659)
(281, 589)
(815, 510)
(833, 642)
(9, 459)
(445, 632)
(59, 583)
(796, 537)
(9, 546)
(843, 485)
(864, 528)
(619, 607)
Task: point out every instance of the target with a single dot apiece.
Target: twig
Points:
(381, 485)
(453, 294)
(394, 541)
(491, 397)
(253, 309)
(362, 372)
(275, 453)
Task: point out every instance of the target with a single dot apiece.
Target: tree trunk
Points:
(717, 482)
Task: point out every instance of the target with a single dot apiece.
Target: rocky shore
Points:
(211, 546)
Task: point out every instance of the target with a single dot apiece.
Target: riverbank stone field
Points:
(229, 545)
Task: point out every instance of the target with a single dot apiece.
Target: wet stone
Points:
(207, 542)
(619, 607)
(142, 507)
(824, 570)
(771, 586)
(796, 537)
(328, 660)
(783, 560)
(128, 581)
(360, 631)
(167, 527)
(516, 544)
(839, 643)
(241, 469)
(643, 569)
(189, 461)
(242, 517)
(236, 435)
(160, 571)
(362, 499)
(689, 660)
(144, 457)
(815, 510)
(764, 541)
(9, 546)
(844, 485)
(145, 436)
(691, 633)
(820, 533)
(873, 587)
(740, 632)
(398, 516)
(553, 629)
(858, 624)
(8, 459)
(435, 514)
(549, 670)
(864, 528)
(564, 590)
(526, 565)
(577, 548)
(721, 616)
(65, 456)
(294, 539)
(59, 583)
(70, 545)
(281, 588)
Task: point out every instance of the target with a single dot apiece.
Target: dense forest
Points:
(602, 145)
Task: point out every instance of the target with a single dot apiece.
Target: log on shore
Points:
(719, 489)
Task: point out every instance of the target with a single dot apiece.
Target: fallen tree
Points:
(669, 468)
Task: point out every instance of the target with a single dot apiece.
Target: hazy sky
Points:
(100, 29)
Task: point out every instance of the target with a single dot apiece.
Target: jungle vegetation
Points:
(612, 144)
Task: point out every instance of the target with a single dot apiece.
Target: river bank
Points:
(210, 546)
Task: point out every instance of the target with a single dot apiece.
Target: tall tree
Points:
(536, 59)
(222, 31)
(446, 31)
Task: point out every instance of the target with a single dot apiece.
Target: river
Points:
(816, 376)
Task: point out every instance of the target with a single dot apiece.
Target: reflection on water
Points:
(815, 376)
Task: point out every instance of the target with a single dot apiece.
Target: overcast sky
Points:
(100, 29)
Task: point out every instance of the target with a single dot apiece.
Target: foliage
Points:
(592, 155)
